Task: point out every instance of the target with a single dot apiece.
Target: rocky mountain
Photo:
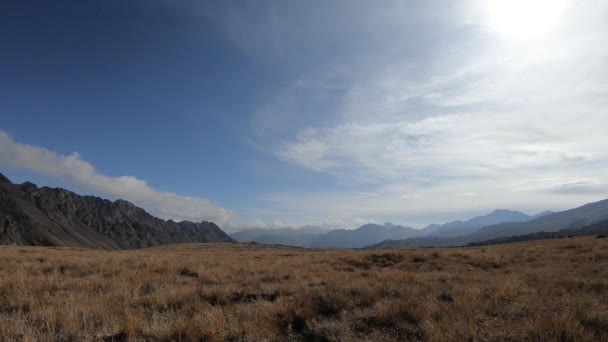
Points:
(569, 219)
(44, 216)
(300, 237)
(458, 228)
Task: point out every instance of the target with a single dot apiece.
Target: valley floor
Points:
(542, 290)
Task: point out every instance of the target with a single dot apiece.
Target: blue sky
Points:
(285, 113)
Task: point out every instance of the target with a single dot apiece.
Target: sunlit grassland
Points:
(542, 290)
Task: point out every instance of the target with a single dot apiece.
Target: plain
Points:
(541, 290)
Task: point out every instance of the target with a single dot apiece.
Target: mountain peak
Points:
(370, 226)
(505, 211)
(500, 216)
(124, 203)
(28, 186)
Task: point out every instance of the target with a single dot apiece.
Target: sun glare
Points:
(524, 19)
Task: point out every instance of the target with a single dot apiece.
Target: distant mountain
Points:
(544, 213)
(598, 228)
(417, 242)
(56, 217)
(316, 237)
(569, 219)
(457, 228)
(314, 229)
(301, 237)
(363, 236)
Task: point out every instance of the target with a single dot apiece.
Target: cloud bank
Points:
(76, 171)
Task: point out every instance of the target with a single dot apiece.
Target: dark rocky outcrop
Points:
(44, 216)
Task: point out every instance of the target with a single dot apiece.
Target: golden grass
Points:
(543, 290)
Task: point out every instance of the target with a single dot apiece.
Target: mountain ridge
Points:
(459, 227)
(44, 216)
(599, 228)
(299, 237)
(357, 238)
(568, 219)
(371, 233)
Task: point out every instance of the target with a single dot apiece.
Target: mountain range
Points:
(457, 228)
(299, 237)
(317, 237)
(357, 238)
(369, 234)
(44, 216)
(569, 219)
(599, 228)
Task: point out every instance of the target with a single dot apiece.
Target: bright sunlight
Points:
(525, 19)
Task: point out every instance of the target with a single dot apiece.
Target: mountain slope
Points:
(599, 228)
(301, 237)
(457, 228)
(56, 217)
(363, 236)
(569, 219)
(543, 213)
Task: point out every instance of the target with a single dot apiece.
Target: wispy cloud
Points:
(368, 194)
(417, 101)
(76, 171)
(473, 116)
(513, 115)
(580, 186)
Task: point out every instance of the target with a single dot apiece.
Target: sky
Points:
(291, 113)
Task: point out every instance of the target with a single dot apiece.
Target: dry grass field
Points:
(553, 290)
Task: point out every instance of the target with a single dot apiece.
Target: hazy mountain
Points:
(569, 219)
(363, 236)
(317, 237)
(314, 229)
(457, 228)
(301, 237)
(56, 217)
(598, 228)
(544, 213)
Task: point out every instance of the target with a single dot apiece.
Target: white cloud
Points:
(406, 196)
(81, 173)
(506, 116)
(416, 101)
(368, 194)
(480, 115)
